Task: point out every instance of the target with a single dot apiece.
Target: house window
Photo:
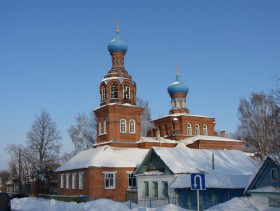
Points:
(155, 189)
(131, 180)
(81, 180)
(109, 180)
(103, 93)
(114, 90)
(100, 128)
(132, 126)
(189, 129)
(205, 132)
(123, 126)
(67, 181)
(62, 181)
(164, 191)
(74, 181)
(274, 175)
(104, 126)
(126, 91)
(146, 188)
(197, 130)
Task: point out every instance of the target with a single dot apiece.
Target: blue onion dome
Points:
(117, 44)
(177, 86)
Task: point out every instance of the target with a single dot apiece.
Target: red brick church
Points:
(106, 170)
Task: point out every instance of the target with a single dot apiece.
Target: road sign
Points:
(198, 181)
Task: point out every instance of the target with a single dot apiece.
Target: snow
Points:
(267, 189)
(105, 156)
(214, 181)
(32, 204)
(151, 139)
(182, 114)
(207, 138)
(182, 160)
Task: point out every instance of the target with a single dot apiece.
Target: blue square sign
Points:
(198, 181)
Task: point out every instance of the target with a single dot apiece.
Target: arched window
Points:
(114, 90)
(126, 91)
(177, 103)
(205, 132)
(100, 128)
(122, 126)
(103, 93)
(197, 130)
(132, 126)
(104, 126)
(189, 129)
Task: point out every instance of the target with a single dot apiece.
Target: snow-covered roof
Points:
(267, 189)
(183, 114)
(214, 181)
(153, 139)
(226, 162)
(105, 156)
(193, 139)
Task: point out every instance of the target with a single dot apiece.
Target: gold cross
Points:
(117, 30)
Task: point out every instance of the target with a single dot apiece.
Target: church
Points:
(107, 169)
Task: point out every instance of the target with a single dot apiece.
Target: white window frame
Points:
(189, 129)
(104, 127)
(103, 98)
(74, 176)
(126, 91)
(155, 189)
(114, 91)
(122, 126)
(67, 181)
(163, 189)
(131, 126)
(197, 130)
(146, 191)
(205, 130)
(107, 177)
(131, 179)
(81, 180)
(62, 181)
(100, 128)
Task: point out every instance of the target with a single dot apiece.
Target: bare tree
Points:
(4, 177)
(259, 123)
(83, 134)
(43, 140)
(146, 123)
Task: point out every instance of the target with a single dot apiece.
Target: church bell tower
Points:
(118, 117)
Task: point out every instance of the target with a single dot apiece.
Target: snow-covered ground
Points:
(32, 204)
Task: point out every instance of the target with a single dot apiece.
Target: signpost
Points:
(198, 183)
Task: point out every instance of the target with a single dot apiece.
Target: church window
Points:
(100, 128)
(104, 126)
(123, 126)
(177, 103)
(205, 132)
(110, 180)
(103, 93)
(197, 130)
(114, 90)
(126, 91)
(132, 126)
(189, 129)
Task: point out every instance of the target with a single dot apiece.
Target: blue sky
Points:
(53, 55)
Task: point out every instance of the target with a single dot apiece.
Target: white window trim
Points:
(128, 173)
(197, 129)
(189, 124)
(121, 126)
(62, 181)
(81, 183)
(104, 127)
(134, 130)
(205, 130)
(100, 128)
(74, 177)
(67, 181)
(114, 179)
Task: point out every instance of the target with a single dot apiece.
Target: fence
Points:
(154, 202)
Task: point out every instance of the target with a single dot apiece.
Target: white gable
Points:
(105, 156)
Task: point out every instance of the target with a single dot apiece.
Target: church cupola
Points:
(178, 92)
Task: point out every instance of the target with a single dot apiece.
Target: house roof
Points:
(105, 156)
(214, 181)
(193, 139)
(181, 160)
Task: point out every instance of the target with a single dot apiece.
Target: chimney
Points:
(157, 134)
(223, 133)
